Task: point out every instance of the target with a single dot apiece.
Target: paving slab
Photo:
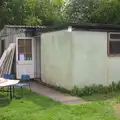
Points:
(55, 95)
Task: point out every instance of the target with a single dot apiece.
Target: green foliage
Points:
(95, 89)
(32, 20)
(91, 90)
(28, 12)
(63, 90)
(81, 10)
(107, 12)
(50, 12)
(94, 11)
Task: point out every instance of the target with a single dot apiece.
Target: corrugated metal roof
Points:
(23, 26)
(87, 26)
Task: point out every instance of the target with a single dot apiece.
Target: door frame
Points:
(33, 54)
(2, 46)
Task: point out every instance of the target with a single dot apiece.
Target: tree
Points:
(3, 4)
(12, 12)
(81, 10)
(29, 12)
(107, 12)
(30, 15)
(93, 11)
(53, 12)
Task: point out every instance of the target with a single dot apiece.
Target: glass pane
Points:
(20, 50)
(114, 36)
(21, 42)
(28, 46)
(28, 50)
(28, 56)
(114, 47)
(25, 49)
(21, 57)
(28, 42)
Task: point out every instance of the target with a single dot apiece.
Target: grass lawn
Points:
(36, 107)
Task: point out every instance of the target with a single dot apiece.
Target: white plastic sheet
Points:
(6, 60)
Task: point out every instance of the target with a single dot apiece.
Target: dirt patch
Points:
(117, 106)
(117, 109)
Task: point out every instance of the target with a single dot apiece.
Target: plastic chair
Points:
(12, 76)
(25, 81)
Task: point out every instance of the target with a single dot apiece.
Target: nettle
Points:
(95, 89)
(90, 90)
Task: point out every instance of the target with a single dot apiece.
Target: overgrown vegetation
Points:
(91, 90)
(96, 89)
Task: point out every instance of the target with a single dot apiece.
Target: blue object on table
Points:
(25, 81)
(9, 76)
(6, 76)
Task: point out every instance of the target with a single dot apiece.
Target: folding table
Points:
(8, 83)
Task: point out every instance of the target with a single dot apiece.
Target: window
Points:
(24, 49)
(114, 44)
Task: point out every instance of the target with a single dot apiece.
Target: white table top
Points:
(7, 82)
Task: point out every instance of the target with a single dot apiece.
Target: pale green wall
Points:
(89, 58)
(56, 58)
(113, 69)
(91, 64)
(78, 58)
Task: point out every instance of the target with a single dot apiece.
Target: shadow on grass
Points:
(99, 97)
(4, 100)
(41, 101)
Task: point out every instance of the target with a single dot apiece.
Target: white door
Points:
(25, 56)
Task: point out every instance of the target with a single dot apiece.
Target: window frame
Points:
(108, 44)
(24, 46)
